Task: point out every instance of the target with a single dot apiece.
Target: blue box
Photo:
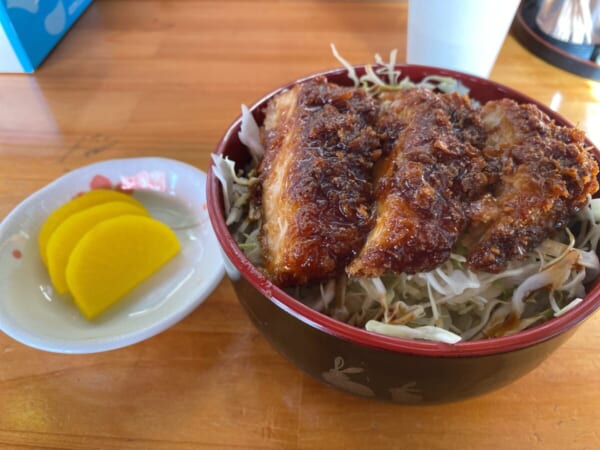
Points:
(29, 29)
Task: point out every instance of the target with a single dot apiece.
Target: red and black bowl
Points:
(368, 364)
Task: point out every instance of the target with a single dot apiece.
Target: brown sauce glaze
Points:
(433, 168)
(317, 193)
(546, 176)
(371, 185)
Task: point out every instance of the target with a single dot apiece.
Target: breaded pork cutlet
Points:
(421, 187)
(317, 192)
(396, 183)
(546, 174)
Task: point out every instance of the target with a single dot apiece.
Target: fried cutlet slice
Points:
(435, 164)
(545, 176)
(316, 194)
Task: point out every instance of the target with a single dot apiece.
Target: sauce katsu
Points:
(368, 185)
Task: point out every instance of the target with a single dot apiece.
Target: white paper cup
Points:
(463, 35)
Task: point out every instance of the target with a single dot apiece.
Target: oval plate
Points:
(33, 314)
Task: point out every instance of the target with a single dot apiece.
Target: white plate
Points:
(32, 313)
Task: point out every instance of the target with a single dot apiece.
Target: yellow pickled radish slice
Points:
(114, 257)
(91, 198)
(68, 233)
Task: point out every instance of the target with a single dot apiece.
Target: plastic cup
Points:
(463, 35)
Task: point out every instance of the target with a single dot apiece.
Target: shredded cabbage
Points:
(425, 332)
(450, 303)
(250, 135)
(385, 77)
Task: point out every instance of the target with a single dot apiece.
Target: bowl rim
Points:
(484, 347)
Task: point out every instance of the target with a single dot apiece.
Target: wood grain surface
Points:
(165, 78)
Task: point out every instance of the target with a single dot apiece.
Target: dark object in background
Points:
(566, 33)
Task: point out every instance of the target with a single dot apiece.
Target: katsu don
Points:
(367, 185)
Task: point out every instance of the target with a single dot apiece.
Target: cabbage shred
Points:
(450, 303)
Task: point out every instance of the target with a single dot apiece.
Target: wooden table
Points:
(142, 78)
